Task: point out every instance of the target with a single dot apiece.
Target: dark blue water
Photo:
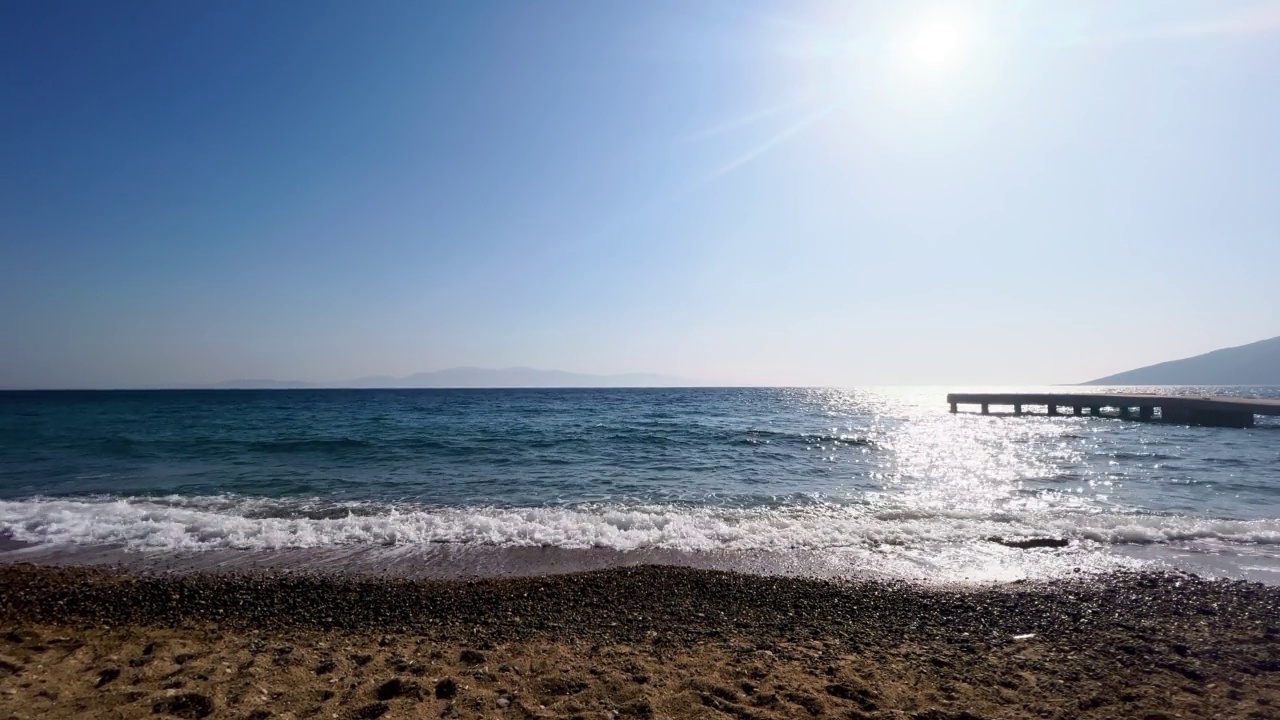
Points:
(887, 477)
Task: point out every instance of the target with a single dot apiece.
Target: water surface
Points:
(877, 481)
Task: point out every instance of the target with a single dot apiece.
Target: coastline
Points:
(646, 641)
(984, 562)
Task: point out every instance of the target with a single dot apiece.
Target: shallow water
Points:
(875, 481)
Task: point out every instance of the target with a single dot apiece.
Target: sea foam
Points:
(246, 523)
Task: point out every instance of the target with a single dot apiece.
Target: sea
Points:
(875, 482)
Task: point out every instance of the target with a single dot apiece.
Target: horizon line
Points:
(318, 386)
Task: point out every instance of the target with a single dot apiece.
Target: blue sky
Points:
(737, 192)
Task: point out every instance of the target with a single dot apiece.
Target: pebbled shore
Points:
(631, 642)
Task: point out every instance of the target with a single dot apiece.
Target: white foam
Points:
(1155, 529)
(229, 522)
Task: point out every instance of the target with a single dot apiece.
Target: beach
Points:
(675, 553)
(646, 641)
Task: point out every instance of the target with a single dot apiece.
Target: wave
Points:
(119, 446)
(125, 446)
(766, 437)
(309, 445)
(237, 522)
(1145, 456)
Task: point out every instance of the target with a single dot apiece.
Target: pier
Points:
(1210, 411)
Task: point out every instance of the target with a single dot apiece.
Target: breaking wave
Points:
(246, 523)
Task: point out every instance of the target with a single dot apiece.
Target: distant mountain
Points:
(473, 377)
(1253, 364)
(259, 385)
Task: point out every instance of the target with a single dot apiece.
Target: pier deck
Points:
(1216, 411)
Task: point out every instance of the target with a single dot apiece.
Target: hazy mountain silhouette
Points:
(260, 385)
(1253, 364)
(473, 377)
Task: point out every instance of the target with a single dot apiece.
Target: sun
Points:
(936, 44)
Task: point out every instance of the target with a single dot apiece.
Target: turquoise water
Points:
(885, 479)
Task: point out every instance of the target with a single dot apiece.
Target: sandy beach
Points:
(631, 642)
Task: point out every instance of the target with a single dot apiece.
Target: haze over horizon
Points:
(737, 193)
(1254, 364)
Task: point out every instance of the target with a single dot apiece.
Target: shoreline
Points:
(986, 562)
(646, 641)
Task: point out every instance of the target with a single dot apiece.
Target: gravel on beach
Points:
(645, 641)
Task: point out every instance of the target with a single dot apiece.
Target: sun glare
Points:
(936, 44)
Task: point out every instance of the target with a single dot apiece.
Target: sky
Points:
(735, 192)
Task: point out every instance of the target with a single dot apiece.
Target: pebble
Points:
(656, 606)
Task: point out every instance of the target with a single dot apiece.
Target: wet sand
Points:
(631, 642)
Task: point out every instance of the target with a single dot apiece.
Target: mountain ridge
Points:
(473, 378)
(1257, 363)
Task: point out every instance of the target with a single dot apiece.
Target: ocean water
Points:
(823, 481)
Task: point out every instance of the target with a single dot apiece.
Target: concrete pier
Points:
(1211, 411)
